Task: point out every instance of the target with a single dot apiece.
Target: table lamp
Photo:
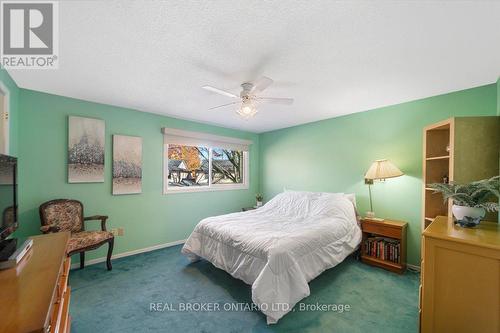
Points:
(379, 170)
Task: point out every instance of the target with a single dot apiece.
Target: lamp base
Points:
(371, 216)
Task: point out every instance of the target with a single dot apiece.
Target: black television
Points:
(8, 204)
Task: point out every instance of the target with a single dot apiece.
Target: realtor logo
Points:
(30, 34)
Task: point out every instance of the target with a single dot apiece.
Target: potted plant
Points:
(471, 201)
(259, 199)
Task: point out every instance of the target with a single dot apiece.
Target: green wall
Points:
(498, 97)
(13, 110)
(149, 218)
(329, 155)
(333, 154)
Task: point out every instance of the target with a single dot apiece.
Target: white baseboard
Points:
(413, 267)
(129, 253)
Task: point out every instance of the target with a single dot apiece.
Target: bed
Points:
(280, 247)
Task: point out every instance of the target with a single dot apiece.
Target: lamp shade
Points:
(382, 169)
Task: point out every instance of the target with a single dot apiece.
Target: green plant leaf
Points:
(474, 194)
(489, 206)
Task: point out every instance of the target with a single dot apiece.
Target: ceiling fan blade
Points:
(276, 100)
(262, 84)
(220, 91)
(220, 106)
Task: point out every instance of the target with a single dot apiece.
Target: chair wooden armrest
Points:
(103, 219)
(49, 228)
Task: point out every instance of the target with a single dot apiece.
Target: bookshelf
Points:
(462, 149)
(438, 164)
(376, 234)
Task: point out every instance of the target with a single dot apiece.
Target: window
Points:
(203, 162)
(187, 166)
(227, 166)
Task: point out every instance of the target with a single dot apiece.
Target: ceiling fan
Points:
(249, 98)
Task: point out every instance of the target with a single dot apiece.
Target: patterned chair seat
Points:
(85, 239)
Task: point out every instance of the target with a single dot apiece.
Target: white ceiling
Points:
(334, 58)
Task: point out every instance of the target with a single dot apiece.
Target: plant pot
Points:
(468, 216)
(259, 203)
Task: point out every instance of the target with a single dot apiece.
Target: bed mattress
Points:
(280, 247)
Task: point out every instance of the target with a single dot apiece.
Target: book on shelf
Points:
(383, 248)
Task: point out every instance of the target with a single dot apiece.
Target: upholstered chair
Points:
(67, 215)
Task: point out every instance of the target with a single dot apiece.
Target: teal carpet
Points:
(119, 301)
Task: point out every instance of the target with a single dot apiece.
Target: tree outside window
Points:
(189, 166)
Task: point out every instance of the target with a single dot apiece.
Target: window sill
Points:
(204, 189)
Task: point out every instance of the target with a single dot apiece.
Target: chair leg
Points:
(110, 252)
(82, 260)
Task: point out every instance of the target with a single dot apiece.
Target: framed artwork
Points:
(127, 164)
(86, 138)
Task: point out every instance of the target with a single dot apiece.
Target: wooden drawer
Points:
(65, 319)
(420, 297)
(60, 314)
(382, 230)
(63, 280)
(422, 266)
(30, 294)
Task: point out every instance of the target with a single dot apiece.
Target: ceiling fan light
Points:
(247, 110)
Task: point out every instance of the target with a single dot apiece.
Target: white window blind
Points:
(189, 138)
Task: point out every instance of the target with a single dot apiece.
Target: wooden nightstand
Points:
(384, 244)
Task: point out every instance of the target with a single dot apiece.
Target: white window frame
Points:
(210, 186)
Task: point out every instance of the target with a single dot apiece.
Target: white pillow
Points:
(305, 193)
(310, 192)
(349, 196)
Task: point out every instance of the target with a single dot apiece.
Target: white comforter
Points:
(279, 247)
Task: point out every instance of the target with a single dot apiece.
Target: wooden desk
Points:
(460, 278)
(34, 296)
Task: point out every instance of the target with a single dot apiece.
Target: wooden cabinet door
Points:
(461, 289)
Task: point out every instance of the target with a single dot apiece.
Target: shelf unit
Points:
(438, 163)
(438, 158)
(387, 229)
(464, 149)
